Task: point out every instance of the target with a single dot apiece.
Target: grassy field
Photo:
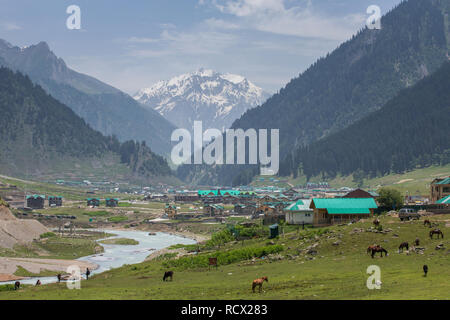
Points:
(336, 271)
(35, 187)
(120, 241)
(416, 182)
(57, 247)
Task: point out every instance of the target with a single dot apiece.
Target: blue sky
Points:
(133, 44)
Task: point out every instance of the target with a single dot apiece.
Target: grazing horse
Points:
(436, 231)
(379, 249)
(427, 222)
(370, 248)
(259, 283)
(59, 277)
(16, 285)
(402, 246)
(376, 222)
(168, 274)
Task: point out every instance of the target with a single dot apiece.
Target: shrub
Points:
(117, 219)
(7, 287)
(47, 235)
(224, 257)
(97, 213)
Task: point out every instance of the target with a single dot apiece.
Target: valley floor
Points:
(335, 268)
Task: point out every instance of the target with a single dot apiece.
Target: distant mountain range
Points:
(411, 131)
(358, 78)
(105, 108)
(40, 135)
(215, 99)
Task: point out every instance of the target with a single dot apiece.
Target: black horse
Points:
(168, 274)
(402, 246)
(438, 232)
(379, 249)
(16, 285)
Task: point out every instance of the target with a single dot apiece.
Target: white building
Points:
(299, 212)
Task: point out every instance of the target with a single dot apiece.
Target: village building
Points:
(186, 197)
(213, 210)
(156, 197)
(444, 201)
(36, 201)
(112, 202)
(299, 212)
(360, 193)
(341, 210)
(440, 188)
(93, 202)
(170, 210)
(245, 209)
(55, 201)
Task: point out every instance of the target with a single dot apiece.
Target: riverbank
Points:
(159, 227)
(8, 266)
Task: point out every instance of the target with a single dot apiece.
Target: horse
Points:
(38, 283)
(369, 249)
(376, 222)
(59, 277)
(427, 222)
(378, 249)
(425, 270)
(402, 246)
(417, 242)
(436, 231)
(16, 285)
(259, 283)
(168, 274)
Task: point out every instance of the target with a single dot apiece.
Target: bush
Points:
(7, 287)
(390, 198)
(97, 213)
(117, 219)
(224, 257)
(47, 235)
(220, 238)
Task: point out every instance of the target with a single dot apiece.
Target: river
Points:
(115, 256)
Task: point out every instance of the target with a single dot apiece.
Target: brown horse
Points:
(16, 285)
(427, 222)
(379, 249)
(168, 274)
(436, 231)
(259, 283)
(402, 246)
(376, 222)
(370, 248)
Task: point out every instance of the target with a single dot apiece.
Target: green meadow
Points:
(328, 263)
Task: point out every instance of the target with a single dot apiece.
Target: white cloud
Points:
(299, 19)
(214, 23)
(173, 42)
(142, 40)
(11, 26)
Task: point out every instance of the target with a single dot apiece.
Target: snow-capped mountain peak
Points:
(214, 98)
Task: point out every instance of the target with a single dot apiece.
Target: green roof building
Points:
(341, 210)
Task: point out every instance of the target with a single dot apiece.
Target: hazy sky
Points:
(133, 44)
